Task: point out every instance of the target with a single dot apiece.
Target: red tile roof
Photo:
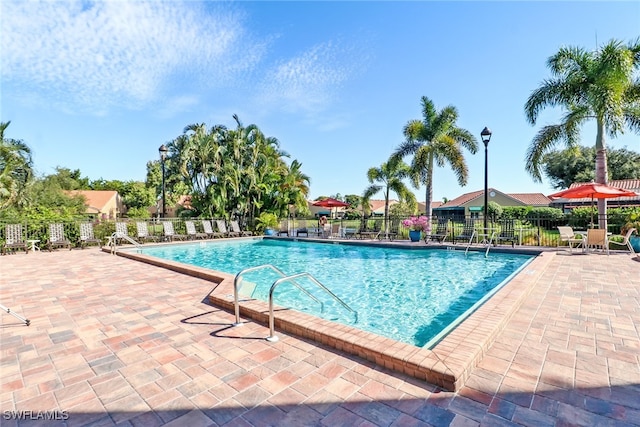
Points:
(95, 199)
(529, 199)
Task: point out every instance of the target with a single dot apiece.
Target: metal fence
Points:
(533, 231)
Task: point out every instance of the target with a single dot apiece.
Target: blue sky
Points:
(99, 86)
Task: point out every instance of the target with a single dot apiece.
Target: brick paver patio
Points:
(117, 342)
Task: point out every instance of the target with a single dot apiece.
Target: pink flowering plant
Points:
(418, 223)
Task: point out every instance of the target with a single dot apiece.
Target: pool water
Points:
(403, 294)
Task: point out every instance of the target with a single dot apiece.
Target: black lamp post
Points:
(486, 136)
(163, 155)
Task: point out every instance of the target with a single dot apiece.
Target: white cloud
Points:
(310, 81)
(96, 55)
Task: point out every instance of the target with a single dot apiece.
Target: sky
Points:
(100, 85)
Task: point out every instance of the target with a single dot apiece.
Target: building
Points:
(101, 204)
(472, 204)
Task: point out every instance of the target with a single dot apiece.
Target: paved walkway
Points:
(116, 342)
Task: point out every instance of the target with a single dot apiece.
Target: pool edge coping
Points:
(448, 364)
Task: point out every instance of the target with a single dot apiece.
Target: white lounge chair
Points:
(625, 240)
(143, 232)
(14, 239)
(56, 237)
(222, 227)
(169, 232)
(567, 235)
(236, 229)
(206, 226)
(86, 235)
(191, 231)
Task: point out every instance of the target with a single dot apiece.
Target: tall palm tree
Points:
(436, 139)
(16, 168)
(390, 175)
(601, 85)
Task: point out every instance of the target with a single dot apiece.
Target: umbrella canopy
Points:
(594, 191)
(331, 203)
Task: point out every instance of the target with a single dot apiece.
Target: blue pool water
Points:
(407, 295)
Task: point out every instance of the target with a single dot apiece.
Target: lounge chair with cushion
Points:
(14, 239)
(468, 232)
(394, 229)
(56, 237)
(625, 240)
(236, 229)
(222, 227)
(191, 231)
(572, 239)
(441, 232)
(143, 232)
(86, 235)
(169, 232)
(208, 228)
(508, 233)
(372, 233)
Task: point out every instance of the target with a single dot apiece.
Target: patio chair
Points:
(14, 239)
(508, 232)
(468, 231)
(441, 233)
(122, 233)
(56, 237)
(567, 235)
(362, 230)
(392, 232)
(169, 232)
(191, 231)
(235, 227)
(86, 235)
(222, 228)
(143, 232)
(626, 240)
(372, 233)
(302, 228)
(283, 229)
(208, 228)
(597, 238)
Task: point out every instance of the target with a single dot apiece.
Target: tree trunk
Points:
(386, 213)
(601, 172)
(429, 190)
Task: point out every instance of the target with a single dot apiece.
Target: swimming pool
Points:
(412, 296)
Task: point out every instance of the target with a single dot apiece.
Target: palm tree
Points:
(390, 175)
(15, 168)
(436, 140)
(598, 86)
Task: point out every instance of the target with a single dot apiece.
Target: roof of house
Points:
(625, 184)
(528, 199)
(95, 199)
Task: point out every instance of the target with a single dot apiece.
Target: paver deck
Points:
(116, 342)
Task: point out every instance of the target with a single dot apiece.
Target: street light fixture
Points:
(486, 137)
(163, 155)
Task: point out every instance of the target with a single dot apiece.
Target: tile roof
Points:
(95, 199)
(529, 199)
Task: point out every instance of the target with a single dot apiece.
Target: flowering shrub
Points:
(420, 223)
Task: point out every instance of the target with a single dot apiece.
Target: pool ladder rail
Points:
(492, 238)
(113, 241)
(285, 278)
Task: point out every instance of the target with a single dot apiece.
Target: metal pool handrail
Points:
(236, 281)
(113, 241)
(272, 337)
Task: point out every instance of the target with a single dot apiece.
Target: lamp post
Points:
(486, 136)
(163, 155)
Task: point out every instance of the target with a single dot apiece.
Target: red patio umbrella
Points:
(331, 203)
(594, 191)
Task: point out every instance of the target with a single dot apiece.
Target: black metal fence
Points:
(532, 231)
